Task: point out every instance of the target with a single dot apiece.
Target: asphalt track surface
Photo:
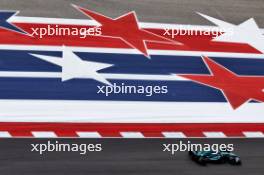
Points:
(166, 11)
(133, 156)
(125, 156)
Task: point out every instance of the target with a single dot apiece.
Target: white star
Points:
(74, 67)
(246, 32)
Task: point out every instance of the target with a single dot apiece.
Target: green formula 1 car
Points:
(203, 157)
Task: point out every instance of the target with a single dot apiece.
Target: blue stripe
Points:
(29, 88)
(129, 63)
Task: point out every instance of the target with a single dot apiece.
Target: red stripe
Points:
(66, 133)
(191, 43)
(21, 133)
(234, 134)
(114, 129)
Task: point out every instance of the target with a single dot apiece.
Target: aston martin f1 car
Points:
(203, 157)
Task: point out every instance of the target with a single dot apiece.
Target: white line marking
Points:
(44, 134)
(89, 134)
(132, 134)
(253, 134)
(16, 74)
(128, 112)
(5, 134)
(130, 51)
(214, 134)
(174, 134)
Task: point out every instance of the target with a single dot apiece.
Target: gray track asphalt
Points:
(125, 156)
(167, 11)
(139, 157)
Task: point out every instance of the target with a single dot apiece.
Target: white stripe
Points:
(128, 112)
(89, 134)
(105, 75)
(253, 134)
(43, 134)
(132, 135)
(174, 134)
(43, 20)
(214, 134)
(4, 134)
(30, 74)
(129, 51)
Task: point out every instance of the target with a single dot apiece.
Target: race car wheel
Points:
(201, 161)
(235, 161)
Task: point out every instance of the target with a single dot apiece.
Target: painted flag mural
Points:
(118, 77)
